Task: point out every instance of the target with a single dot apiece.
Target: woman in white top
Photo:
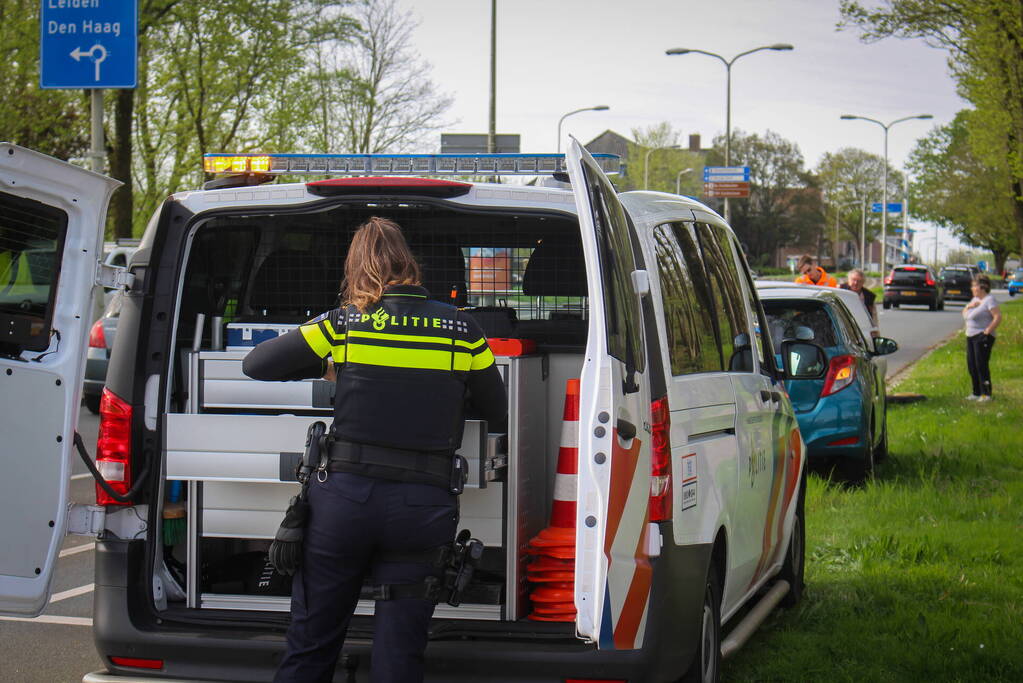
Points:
(982, 318)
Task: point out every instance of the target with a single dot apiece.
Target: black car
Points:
(913, 285)
(956, 281)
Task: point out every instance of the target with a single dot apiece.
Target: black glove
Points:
(286, 550)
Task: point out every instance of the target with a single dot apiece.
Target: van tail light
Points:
(660, 461)
(113, 448)
(97, 338)
(891, 276)
(841, 373)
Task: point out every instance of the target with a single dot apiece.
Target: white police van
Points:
(690, 481)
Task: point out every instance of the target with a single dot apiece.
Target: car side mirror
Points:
(802, 360)
(883, 346)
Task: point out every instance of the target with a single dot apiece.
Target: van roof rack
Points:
(397, 164)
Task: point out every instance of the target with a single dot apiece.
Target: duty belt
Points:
(397, 464)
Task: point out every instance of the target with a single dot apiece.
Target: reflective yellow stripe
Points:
(330, 330)
(320, 345)
(399, 337)
(422, 359)
(482, 361)
(338, 354)
(471, 345)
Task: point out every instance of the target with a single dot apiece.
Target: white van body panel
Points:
(43, 389)
(613, 571)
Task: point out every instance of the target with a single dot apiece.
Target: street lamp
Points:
(678, 180)
(599, 107)
(646, 164)
(728, 90)
(884, 181)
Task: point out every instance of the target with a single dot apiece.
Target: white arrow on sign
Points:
(77, 53)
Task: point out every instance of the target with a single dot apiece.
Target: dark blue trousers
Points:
(351, 520)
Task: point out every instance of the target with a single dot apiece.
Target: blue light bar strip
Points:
(399, 164)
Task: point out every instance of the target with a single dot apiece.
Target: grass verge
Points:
(919, 574)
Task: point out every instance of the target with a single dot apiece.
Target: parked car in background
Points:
(101, 341)
(956, 281)
(913, 285)
(852, 303)
(1015, 283)
(842, 414)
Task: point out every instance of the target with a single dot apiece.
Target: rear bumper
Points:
(922, 297)
(244, 647)
(835, 418)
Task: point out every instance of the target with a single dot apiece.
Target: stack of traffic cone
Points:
(552, 570)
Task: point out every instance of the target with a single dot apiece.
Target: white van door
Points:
(613, 572)
(52, 216)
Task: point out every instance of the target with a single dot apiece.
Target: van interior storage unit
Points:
(235, 441)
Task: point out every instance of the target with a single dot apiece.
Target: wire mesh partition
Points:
(520, 275)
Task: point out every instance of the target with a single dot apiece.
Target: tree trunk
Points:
(120, 163)
(1000, 256)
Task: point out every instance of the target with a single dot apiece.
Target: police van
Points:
(687, 486)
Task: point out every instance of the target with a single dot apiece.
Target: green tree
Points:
(954, 188)
(846, 177)
(784, 206)
(984, 39)
(55, 122)
(665, 163)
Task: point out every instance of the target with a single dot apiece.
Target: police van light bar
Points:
(398, 164)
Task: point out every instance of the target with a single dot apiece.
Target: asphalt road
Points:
(57, 647)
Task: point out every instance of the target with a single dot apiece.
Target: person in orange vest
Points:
(811, 274)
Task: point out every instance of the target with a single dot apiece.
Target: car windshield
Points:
(785, 317)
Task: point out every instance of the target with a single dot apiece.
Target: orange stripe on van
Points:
(638, 596)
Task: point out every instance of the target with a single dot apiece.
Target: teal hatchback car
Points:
(841, 413)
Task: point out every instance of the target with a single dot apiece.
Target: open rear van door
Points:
(613, 572)
(52, 216)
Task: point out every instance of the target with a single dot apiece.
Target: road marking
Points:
(74, 550)
(48, 619)
(80, 476)
(72, 593)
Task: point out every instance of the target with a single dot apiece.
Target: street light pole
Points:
(678, 180)
(728, 91)
(646, 164)
(884, 181)
(863, 232)
(599, 107)
(492, 130)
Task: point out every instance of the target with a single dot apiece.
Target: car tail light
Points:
(97, 338)
(660, 461)
(850, 441)
(891, 276)
(137, 662)
(928, 280)
(113, 448)
(841, 373)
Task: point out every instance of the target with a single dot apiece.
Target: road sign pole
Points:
(97, 155)
(728, 130)
(884, 205)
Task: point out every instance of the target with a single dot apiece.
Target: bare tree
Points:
(378, 95)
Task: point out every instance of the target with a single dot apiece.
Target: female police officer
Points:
(403, 364)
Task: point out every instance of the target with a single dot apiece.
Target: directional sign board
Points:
(726, 174)
(893, 207)
(88, 44)
(734, 190)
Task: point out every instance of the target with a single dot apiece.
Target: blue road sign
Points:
(726, 174)
(88, 44)
(893, 207)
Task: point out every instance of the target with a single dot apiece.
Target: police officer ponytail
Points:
(377, 257)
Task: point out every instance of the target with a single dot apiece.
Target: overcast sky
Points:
(554, 56)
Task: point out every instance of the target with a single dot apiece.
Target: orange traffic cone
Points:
(552, 571)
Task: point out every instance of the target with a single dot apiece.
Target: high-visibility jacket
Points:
(825, 280)
(404, 369)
